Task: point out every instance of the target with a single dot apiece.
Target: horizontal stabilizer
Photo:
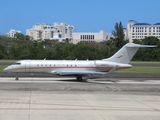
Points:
(139, 45)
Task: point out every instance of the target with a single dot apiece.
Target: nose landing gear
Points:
(16, 77)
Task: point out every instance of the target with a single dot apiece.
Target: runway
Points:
(34, 98)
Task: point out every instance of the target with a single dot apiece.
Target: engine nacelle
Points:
(103, 65)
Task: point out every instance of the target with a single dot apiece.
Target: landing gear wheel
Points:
(79, 78)
(16, 77)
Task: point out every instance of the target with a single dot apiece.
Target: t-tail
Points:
(126, 53)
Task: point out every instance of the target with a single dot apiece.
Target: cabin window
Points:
(46, 64)
(37, 65)
(41, 64)
(50, 65)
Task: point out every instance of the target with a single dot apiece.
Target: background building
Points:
(12, 32)
(137, 30)
(56, 31)
(90, 36)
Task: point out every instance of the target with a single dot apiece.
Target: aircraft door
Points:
(28, 66)
(95, 64)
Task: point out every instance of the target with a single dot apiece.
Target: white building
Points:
(56, 31)
(12, 32)
(90, 36)
(137, 30)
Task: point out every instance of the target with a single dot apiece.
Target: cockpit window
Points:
(17, 64)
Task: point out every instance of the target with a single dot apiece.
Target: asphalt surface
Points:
(39, 98)
(118, 86)
(108, 76)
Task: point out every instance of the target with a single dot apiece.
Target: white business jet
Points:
(78, 68)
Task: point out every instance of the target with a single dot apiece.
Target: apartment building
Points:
(11, 33)
(58, 31)
(137, 30)
(90, 36)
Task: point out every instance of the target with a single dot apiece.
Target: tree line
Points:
(23, 47)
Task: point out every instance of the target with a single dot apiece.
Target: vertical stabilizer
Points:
(126, 53)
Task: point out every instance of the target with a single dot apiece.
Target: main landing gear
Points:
(16, 77)
(79, 78)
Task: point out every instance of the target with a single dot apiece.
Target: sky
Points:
(84, 15)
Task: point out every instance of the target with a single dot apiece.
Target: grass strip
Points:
(144, 62)
(153, 70)
(8, 61)
(2, 67)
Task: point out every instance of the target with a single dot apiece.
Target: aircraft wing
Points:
(81, 73)
(87, 72)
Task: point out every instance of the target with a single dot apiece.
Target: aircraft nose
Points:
(6, 69)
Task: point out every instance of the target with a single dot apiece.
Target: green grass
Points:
(144, 62)
(2, 67)
(141, 69)
(8, 60)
